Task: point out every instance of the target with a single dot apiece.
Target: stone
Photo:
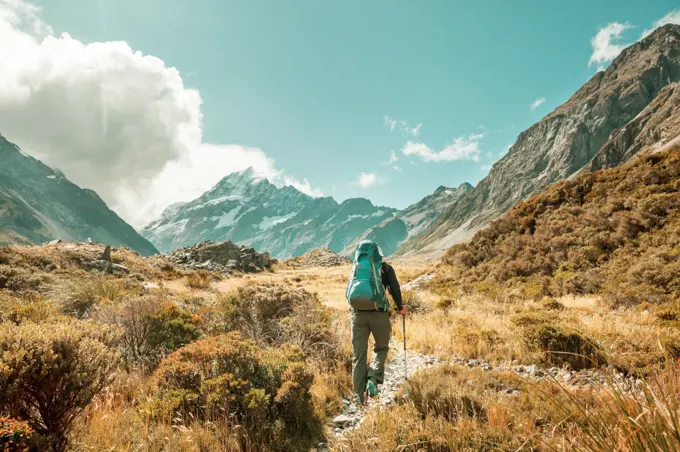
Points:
(54, 242)
(106, 256)
(109, 268)
(117, 268)
(343, 420)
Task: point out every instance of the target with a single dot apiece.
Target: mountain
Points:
(250, 210)
(657, 127)
(568, 139)
(38, 204)
(409, 222)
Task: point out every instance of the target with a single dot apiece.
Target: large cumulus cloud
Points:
(111, 118)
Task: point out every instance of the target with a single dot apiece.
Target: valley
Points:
(543, 302)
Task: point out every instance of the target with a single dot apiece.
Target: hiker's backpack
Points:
(365, 290)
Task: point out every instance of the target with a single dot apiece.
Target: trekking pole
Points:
(403, 322)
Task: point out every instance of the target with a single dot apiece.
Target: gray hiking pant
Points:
(363, 324)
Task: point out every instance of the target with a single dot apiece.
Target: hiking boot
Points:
(372, 387)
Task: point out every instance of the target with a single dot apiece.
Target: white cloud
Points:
(367, 180)
(111, 118)
(391, 162)
(606, 45)
(671, 18)
(402, 126)
(462, 148)
(537, 103)
(304, 186)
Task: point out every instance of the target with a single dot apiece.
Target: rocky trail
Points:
(354, 415)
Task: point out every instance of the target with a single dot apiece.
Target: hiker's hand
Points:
(403, 310)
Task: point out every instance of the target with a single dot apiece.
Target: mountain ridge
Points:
(563, 142)
(39, 204)
(250, 210)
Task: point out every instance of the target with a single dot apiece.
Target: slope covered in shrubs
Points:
(90, 361)
(614, 232)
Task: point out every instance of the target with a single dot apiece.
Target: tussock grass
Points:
(198, 280)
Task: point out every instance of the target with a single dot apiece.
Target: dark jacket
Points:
(389, 280)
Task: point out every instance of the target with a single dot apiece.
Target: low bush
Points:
(198, 280)
(446, 303)
(273, 314)
(152, 326)
(20, 280)
(33, 309)
(668, 312)
(551, 304)
(266, 393)
(49, 375)
(560, 345)
(414, 302)
(563, 345)
(84, 295)
(14, 435)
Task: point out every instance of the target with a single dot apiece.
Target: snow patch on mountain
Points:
(268, 222)
(227, 219)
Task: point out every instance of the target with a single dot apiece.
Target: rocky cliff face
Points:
(251, 211)
(654, 129)
(564, 141)
(38, 204)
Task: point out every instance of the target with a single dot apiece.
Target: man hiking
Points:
(367, 296)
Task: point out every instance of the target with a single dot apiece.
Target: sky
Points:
(152, 102)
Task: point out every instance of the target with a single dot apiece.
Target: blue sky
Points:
(330, 89)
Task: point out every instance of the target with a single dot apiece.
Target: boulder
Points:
(106, 256)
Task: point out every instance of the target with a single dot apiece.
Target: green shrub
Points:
(14, 435)
(228, 376)
(49, 375)
(151, 326)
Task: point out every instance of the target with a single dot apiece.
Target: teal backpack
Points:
(365, 290)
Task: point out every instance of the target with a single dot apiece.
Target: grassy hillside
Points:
(614, 232)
